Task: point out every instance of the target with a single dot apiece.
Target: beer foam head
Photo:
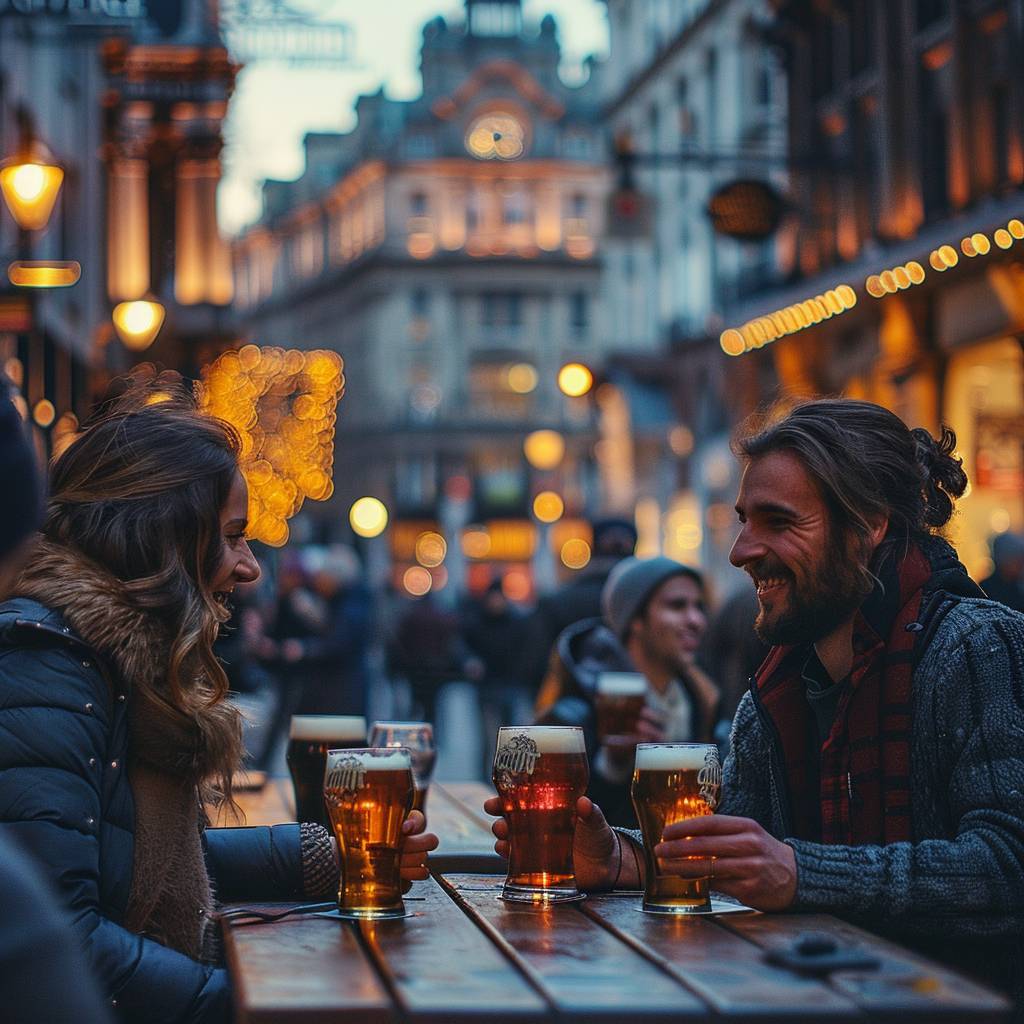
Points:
(550, 739)
(374, 759)
(343, 728)
(672, 757)
(621, 684)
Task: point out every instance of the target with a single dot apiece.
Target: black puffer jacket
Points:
(65, 795)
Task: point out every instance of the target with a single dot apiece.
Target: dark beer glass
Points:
(310, 738)
(618, 701)
(671, 782)
(539, 773)
(418, 739)
(368, 793)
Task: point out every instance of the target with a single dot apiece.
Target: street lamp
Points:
(138, 323)
(30, 183)
(575, 380)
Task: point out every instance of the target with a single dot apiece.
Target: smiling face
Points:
(237, 564)
(803, 568)
(673, 624)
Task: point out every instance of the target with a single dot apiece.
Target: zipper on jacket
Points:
(774, 760)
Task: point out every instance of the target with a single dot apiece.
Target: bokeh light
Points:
(575, 380)
(548, 507)
(575, 553)
(430, 549)
(417, 580)
(522, 378)
(544, 449)
(368, 517)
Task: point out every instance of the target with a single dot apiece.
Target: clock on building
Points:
(496, 136)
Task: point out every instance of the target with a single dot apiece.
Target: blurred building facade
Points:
(449, 248)
(128, 98)
(906, 137)
(696, 92)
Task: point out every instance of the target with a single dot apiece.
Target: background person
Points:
(114, 710)
(1006, 584)
(654, 621)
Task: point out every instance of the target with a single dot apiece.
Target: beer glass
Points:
(539, 773)
(618, 701)
(418, 739)
(673, 781)
(310, 738)
(368, 793)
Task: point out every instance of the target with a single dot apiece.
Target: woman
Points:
(114, 713)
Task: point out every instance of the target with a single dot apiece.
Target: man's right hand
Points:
(595, 849)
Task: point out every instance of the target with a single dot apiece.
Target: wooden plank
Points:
(440, 968)
(466, 843)
(472, 796)
(303, 970)
(726, 971)
(584, 971)
(906, 985)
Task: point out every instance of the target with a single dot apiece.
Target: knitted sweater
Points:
(956, 892)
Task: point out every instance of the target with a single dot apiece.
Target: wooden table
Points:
(464, 955)
(454, 812)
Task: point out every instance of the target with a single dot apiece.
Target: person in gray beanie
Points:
(653, 619)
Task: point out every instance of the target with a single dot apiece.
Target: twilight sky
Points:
(274, 106)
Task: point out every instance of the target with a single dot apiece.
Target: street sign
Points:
(747, 209)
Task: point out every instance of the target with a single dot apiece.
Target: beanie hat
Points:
(630, 585)
(21, 508)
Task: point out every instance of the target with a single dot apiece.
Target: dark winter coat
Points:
(65, 795)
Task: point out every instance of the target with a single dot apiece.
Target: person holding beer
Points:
(631, 678)
(876, 770)
(115, 715)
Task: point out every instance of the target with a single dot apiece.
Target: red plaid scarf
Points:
(863, 796)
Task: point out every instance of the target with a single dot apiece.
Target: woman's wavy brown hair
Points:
(140, 493)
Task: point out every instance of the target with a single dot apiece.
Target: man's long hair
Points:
(867, 464)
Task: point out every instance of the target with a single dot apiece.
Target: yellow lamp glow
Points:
(431, 549)
(522, 378)
(417, 581)
(138, 323)
(44, 413)
(368, 517)
(574, 380)
(544, 449)
(30, 184)
(45, 273)
(575, 553)
(548, 507)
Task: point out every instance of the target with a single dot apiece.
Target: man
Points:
(654, 620)
(877, 763)
(1006, 584)
(44, 975)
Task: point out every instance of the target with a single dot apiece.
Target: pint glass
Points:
(673, 781)
(310, 738)
(418, 739)
(619, 699)
(539, 773)
(368, 793)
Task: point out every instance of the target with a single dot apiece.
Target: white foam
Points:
(668, 757)
(550, 739)
(377, 759)
(330, 728)
(621, 684)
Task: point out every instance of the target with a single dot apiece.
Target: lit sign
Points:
(747, 210)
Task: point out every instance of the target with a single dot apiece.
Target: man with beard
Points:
(877, 763)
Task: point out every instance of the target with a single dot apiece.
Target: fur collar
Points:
(100, 609)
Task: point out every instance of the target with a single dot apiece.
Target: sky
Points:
(274, 106)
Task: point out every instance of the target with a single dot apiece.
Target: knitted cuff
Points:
(635, 841)
(319, 867)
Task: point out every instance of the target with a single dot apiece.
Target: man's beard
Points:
(831, 594)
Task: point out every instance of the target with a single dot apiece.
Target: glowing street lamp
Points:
(575, 380)
(30, 183)
(368, 517)
(544, 449)
(138, 323)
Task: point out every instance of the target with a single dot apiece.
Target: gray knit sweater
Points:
(957, 891)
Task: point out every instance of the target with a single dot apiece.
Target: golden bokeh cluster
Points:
(284, 406)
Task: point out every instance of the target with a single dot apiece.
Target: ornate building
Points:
(907, 143)
(449, 248)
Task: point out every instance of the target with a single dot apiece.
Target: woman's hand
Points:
(415, 846)
(596, 849)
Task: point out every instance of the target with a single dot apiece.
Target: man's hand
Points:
(742, 859)
(415, 844)
(621, 750)
(595, 849)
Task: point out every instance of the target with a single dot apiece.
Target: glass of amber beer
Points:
(618, 701)
(418, 739)
(368, 793)
(310, 738)
(673, 781)
(539, 773)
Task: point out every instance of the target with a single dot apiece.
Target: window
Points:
(578, 312)
(930, 11)
(418, 204)
(502, 309)
(419, 303)
(862, 35)
(934, 136)
(514, 207)
(711, 85)
(822, 56)
(578, 205)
